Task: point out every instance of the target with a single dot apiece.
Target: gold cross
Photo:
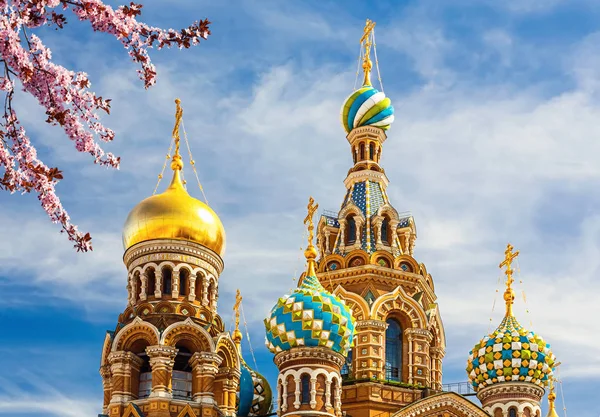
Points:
(509, 294)
(366, 39)
(177, 164)
(312, 207)
(236, 308)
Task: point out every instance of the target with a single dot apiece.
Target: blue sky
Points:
(497, 108)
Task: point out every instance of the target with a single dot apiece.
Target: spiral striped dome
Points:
(510, 353)
(367, 107)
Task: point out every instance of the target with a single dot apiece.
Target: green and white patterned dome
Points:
(510, 353)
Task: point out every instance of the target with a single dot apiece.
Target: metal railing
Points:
(462, 388)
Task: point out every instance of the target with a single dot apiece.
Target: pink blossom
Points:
(65, 94)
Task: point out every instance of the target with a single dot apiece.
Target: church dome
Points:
(174, 214)
(367, 106)
(254, 393)
(310, 316)
(510, 353)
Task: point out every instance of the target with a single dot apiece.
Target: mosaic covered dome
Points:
(510, 353)
(310, 316)
(367, 107)
(254, 393)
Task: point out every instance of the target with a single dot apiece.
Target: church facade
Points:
(361, 336)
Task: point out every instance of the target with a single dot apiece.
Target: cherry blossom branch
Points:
(66, 94)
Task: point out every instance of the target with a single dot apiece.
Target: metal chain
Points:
(360, 55)
(523, 294)
(494, 305)
(192, 162)
(160, 176)
(562, 394)
(376, 60)
(248, 337)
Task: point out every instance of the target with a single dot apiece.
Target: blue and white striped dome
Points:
(367, 106)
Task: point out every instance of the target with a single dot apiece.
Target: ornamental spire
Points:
(551, 399)
(237, 334)
(367, 41)
(509, 293)
(177, 163)
(310, 253)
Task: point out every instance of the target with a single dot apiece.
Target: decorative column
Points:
(162, 359)
(106, 386)
(205, 366)
(411, 248)
(419, 360)
(378, 222)
(158, 283)
(359, 221)
(369, 353)
(132, 289)
(175, 282)
(205, 290)
(213, 299)
(226, 384)
(342, 235)
(144, 290)
(124, 371)
(192, 294)
(437, 354)
(327, 238)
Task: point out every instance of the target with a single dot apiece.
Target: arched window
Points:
(167, 280)
(183, 281)
(371, 151)
(138, 286)
(305, 384)
(199, 286)
(512, 412)
(351, 230)
(393, 351)
(384, 230)
(362, 151)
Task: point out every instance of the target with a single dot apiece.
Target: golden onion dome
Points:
(175, 214)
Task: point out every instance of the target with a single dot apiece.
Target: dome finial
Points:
(310, 253)
(237, 334)
(551, 399)
(509, 294)
(177, 163)
(366, 40)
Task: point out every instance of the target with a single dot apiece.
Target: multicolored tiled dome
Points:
(254, 393)
(367, 107)
(310, 316)
(510, 353)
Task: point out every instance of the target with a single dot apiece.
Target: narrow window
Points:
(305, 389)
(167, 281)
(512, 412)
(371, 151)
(151, 277)
(183, 281)
(384, 230)
(393, 351)
(362, 151)
(351, 232)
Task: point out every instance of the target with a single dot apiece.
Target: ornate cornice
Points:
(366, 131)
(420, 332)
(173, 250)
(371, 323)
(510, 390)
(310, 354)
(366, 175)
(375, 273)
(439, 403)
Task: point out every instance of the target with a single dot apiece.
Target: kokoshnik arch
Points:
(361, 336)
